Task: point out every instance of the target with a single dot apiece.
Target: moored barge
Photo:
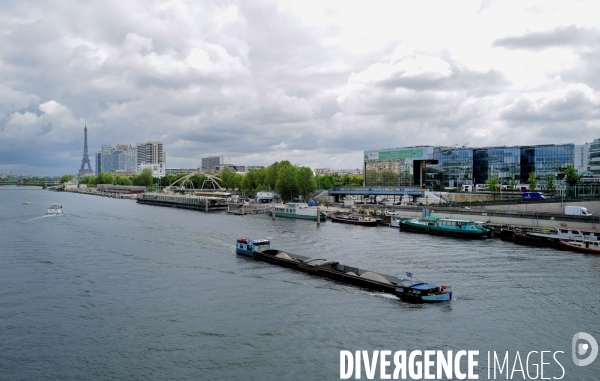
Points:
(404, 287)
(446, 226)
(354, 219)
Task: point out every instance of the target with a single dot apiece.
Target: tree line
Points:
(287, 180)
(141, 179)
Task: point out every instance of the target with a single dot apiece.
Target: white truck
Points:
(577, 211)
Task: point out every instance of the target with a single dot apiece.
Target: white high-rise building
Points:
(150, 153)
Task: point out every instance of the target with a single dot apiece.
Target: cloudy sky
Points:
(312, 82)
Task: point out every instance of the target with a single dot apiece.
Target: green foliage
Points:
(550, 183)
(237, 181)
(571, 176)
(123, 180)
(286, 181)
(105, 178)
(145, 178)
(272, 175)
(532, 180)
(492, 185)
(305, 182)
(438, 188)
(89, 180)
(249, 181)
(227, 178)
(66, 178)
(512, 185)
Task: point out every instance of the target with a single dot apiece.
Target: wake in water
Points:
(44, 216)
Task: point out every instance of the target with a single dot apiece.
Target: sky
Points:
(313, 82)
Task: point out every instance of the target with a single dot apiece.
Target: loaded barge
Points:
(404, 287)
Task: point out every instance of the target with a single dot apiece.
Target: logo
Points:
(580, 349)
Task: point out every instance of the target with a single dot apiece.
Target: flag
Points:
(409, 275)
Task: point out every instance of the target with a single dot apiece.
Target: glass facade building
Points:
(454, 167)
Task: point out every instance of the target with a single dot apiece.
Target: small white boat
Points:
(55, 209)
(27, 202)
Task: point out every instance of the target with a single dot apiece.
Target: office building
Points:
(214, 163)
(452, 167)
(112, 159)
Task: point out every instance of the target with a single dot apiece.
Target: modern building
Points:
(453, 167)
(115, 160)
(150, 153)
(594, 158)
(213, 163)
(177, 171)
(158, 170)
(98, 161)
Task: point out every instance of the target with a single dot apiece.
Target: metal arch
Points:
(214, 179)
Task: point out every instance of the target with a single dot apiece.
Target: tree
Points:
(146, 177)
(286, 182)
(272, 175)
(571, 176)
(492, 185)
(237, 181)
(532, 181)
(512, 185)
(123, 180)
(89, 180)
(227, 178)
(247, 183)
(105, 178)
(550, 183)
(305, 182)
(66, 178)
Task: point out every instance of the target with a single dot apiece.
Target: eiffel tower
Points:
(86, 159)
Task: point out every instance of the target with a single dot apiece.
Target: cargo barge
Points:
(402, 286)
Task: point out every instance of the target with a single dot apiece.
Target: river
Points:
(114, 290)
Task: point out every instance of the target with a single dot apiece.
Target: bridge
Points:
(377, 191)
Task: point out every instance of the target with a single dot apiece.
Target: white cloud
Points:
(313, 82)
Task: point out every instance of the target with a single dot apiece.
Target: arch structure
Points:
(216, 180)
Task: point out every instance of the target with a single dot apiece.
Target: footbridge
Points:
(376, 191)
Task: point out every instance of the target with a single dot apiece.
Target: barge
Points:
(300, 210)
(446, 226)
(354, 219)
(549, 238)
(402, 286)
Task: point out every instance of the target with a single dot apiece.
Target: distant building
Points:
(337, 172)
(177, 171)
(158, 170)
(212, 163)
(105, 152)
(98, 162)
(115, 160)
(150, 153)
(453, 167)
(593, 158)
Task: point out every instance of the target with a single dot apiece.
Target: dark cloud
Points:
(558, 37)
(572, 106)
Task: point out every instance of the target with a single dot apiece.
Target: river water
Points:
(114, 290)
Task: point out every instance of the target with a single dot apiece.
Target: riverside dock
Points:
(201, 203)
